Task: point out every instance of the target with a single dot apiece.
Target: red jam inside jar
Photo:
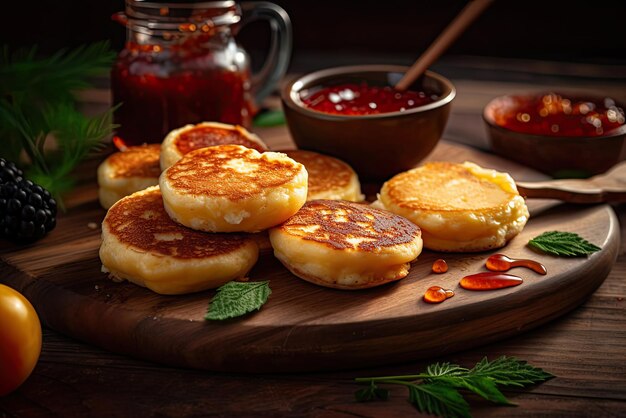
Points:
(559, 115)
(364, 99)
(159, 95)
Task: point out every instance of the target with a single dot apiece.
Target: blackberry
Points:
(27, 210)
(9, 172)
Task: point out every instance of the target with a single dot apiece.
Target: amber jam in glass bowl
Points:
(561, 134)
(354, 114)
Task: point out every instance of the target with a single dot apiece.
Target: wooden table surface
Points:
(585, 348)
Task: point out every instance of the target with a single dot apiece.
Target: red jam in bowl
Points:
(363, 99)
(553, 114)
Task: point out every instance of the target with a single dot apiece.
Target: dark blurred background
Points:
(330, 32)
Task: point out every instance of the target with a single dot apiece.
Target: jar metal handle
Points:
(277, 61)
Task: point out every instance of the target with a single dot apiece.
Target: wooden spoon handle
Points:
(473, 9)
(567, 193)
(608, 187)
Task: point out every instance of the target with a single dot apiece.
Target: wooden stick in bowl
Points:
(443, 41)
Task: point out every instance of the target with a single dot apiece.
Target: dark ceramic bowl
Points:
(557, 156)
(377, 146)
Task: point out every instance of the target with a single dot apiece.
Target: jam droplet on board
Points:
(440, 266)
(437, 294)
(500, 262)
(489, 280)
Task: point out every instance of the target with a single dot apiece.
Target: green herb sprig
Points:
(563, 244)
(40, 126)
(437, 391)
(270, 118)
(237, 298)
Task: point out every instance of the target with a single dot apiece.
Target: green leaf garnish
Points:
(437, 390)
(237, 298)
(270, 118)
(438, 399)
(564, 244)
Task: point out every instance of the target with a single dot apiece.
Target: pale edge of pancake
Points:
(112, 188)
(467, 231)
(170, 153)
(351, 192)
(270, 207)
(343, 268)
(169, 275)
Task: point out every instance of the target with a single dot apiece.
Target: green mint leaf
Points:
(270, 118)
(438, 399)
(509, 371)
(564, 244)
(237, 298)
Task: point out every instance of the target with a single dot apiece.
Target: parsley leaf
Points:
(565, 244)
(237, 298)
(437, 390)
(438, 399)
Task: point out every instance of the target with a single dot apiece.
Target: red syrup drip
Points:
(500, 262)
(489, 280)
(440, 266)
(437, 294)
(119, 143)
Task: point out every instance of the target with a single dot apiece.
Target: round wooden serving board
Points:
(304, 327)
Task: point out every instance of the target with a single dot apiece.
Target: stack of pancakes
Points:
(138, 167)
(217, 202)
(197, 229)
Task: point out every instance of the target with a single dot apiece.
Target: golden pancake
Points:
(329, 177)
(206, 134)
(230, 188)
(459, 207)
(346, 245)
(140, 243)
(128, 171)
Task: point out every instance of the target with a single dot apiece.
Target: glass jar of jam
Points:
(181, 64)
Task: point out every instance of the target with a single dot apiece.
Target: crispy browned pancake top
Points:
(443, 186)
(137, 161)
(346, 225)
(230, 171)
(207, 136)
(325, 172)
(140, 221)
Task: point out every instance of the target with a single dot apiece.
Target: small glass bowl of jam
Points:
(561, 134)
(354, 113)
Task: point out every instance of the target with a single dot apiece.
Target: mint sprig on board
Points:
(237, 298)
(563, 244)
(437, 391)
